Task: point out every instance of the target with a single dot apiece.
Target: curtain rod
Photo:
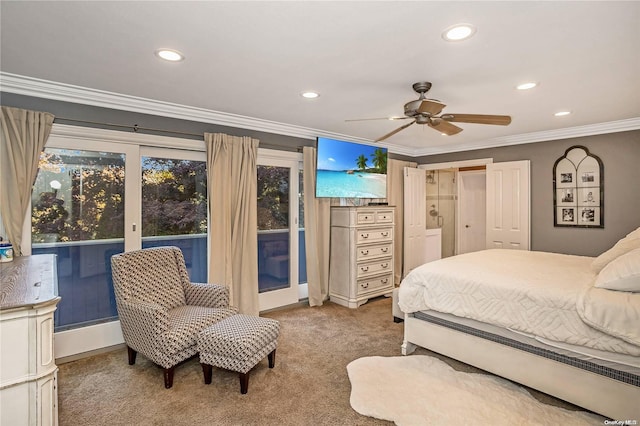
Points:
(135, 129)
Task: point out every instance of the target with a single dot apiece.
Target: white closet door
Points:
(472, 211)
(508, 205)
(415, 219)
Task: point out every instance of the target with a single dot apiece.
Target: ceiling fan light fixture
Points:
(459, 32)
(310, 95)
(527, 86)
(562, 113)
(170, 55)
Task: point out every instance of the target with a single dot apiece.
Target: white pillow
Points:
(622, 273)
(623, 246)
(634, 234)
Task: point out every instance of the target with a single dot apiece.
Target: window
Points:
(78, 215)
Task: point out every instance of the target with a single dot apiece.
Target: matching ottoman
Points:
(238, 343)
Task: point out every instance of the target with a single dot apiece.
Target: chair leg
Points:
(272, 359)
(132, 355)
(207, 371)
(168, 377)
(244, 382)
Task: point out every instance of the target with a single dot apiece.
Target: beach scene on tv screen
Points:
(346, 170)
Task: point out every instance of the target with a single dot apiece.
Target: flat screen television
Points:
(350, 170)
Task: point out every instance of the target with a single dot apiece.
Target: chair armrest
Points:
(209, 295)
(142, 323)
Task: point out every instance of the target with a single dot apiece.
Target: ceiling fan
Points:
(425, 111)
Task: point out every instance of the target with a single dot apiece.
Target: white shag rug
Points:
(422, 390)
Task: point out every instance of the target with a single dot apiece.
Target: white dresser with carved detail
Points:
(28, 372)
(361, 263)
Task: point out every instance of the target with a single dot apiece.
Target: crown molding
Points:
(547, 135)
(29, 86)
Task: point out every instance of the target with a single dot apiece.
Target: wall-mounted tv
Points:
(350, 170)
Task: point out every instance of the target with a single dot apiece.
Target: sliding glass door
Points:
(278, 233)
(94, 198)
(174, 205)
(79, 214)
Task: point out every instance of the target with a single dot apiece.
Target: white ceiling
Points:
(254, 59)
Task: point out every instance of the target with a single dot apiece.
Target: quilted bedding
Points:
(531, 292)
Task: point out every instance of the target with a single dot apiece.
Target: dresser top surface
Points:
(28, 281)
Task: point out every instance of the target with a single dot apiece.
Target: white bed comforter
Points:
(526, 291)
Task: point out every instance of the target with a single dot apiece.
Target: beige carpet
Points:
(308, 386)
(422, 390)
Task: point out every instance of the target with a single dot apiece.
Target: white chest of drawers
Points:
(28, 373)
(361, 263)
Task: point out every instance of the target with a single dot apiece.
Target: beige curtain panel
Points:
(233, 234)
(23, 135)
(395, 197)
(317, 232)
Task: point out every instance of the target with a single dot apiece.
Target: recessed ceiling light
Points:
(170, 55)
(310, 95)
(526, 86)
(562, 113)
(458, 32)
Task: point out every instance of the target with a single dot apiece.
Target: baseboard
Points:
(87, 339)
(299, 304)
(76, 357)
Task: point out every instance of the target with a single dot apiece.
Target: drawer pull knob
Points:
(386, 280)
(364, 285)
(384, 265)
(384, 249)
(385, 234)
(364, 235)
(364, 268)
(364, 252)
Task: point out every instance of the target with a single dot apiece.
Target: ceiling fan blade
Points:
(379, 118)
(394, 132)
(500, 120)
(444, 126)
(430, 106)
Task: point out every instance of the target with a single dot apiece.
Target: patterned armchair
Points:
(161, 312)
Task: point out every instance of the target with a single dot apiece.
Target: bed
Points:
(566, 325)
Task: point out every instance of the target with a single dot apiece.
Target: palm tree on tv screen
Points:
(361, 162)
(379, 158)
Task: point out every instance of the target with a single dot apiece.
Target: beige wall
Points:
(620, 154)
